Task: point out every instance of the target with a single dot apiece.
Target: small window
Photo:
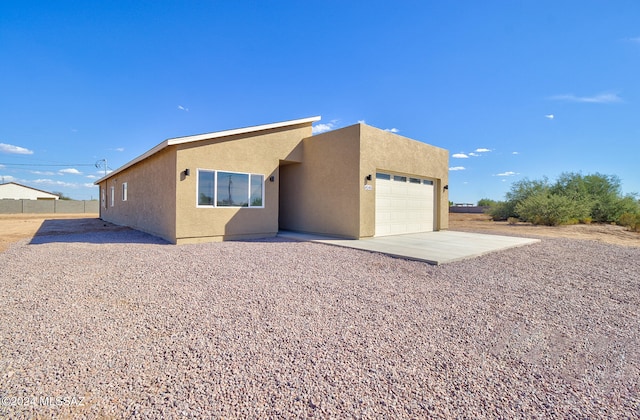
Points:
(113, 195)
(427, 182)
(399, 178)
(414, 180)
(206, 182)
(257, 185)
(104, 197)
(124, 191)
(383, 176)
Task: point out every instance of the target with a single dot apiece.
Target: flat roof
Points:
(207, 136)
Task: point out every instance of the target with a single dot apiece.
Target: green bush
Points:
(592, 198)
(512, 220)
(630, 221)
(546, 209)
(500, 211)
(486, 202)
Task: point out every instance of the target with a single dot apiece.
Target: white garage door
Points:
(403, 204)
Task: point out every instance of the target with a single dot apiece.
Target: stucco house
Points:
(354, 182)
(15, 191)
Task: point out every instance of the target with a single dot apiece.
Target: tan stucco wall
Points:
(320, 195)
(319, 184)
(257, 153)
(326, 193)
(385, 151)
(151, 204)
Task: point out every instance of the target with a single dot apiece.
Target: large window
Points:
(230, 189)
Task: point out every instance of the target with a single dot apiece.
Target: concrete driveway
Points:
(431, 247)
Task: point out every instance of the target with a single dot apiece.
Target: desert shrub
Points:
(523, 189)
(501, 210)
(630, 221)
(546, 209)
(599, 196)
(594, 198)
(572, 221)
(486, 202)
(512, 220)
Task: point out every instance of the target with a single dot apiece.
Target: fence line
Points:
(8, 206)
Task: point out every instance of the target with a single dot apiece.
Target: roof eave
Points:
(207, 136)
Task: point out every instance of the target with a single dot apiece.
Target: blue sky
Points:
(512, 89)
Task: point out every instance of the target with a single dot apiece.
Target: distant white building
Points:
(15, 191)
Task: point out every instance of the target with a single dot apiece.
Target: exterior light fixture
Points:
(369, 177)
(187, 172)
(446, 187)
(272, 178)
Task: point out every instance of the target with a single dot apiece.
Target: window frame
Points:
(125, 193)
(112, 200)
(250, 176)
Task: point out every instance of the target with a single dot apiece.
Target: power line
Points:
(46, 164)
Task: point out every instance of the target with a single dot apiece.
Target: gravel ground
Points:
(122, 325)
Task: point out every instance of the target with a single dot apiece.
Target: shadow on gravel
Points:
(90, 230)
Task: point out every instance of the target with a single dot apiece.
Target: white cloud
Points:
(392, 130)
(88, 185)
(7, 178)
(508, 173)
(54, 183)
(180, 107)
(515, 153)
(457, 168)
(482, 150)
(474, 154)
(43, 173)
(92, 177)
(635, 40)
(459, 156)
(119, 149)
(362, 122)
(550, 116)
(10, 148)
(602, 98)
(321, 128)
(70, 171)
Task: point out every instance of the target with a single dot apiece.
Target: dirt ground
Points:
(14, 227)
(610, 234)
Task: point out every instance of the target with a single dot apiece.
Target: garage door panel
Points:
(403, 206)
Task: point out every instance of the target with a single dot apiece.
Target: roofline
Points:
(207, 136)
(31, 188)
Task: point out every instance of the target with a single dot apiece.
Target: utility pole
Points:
(100, 163)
